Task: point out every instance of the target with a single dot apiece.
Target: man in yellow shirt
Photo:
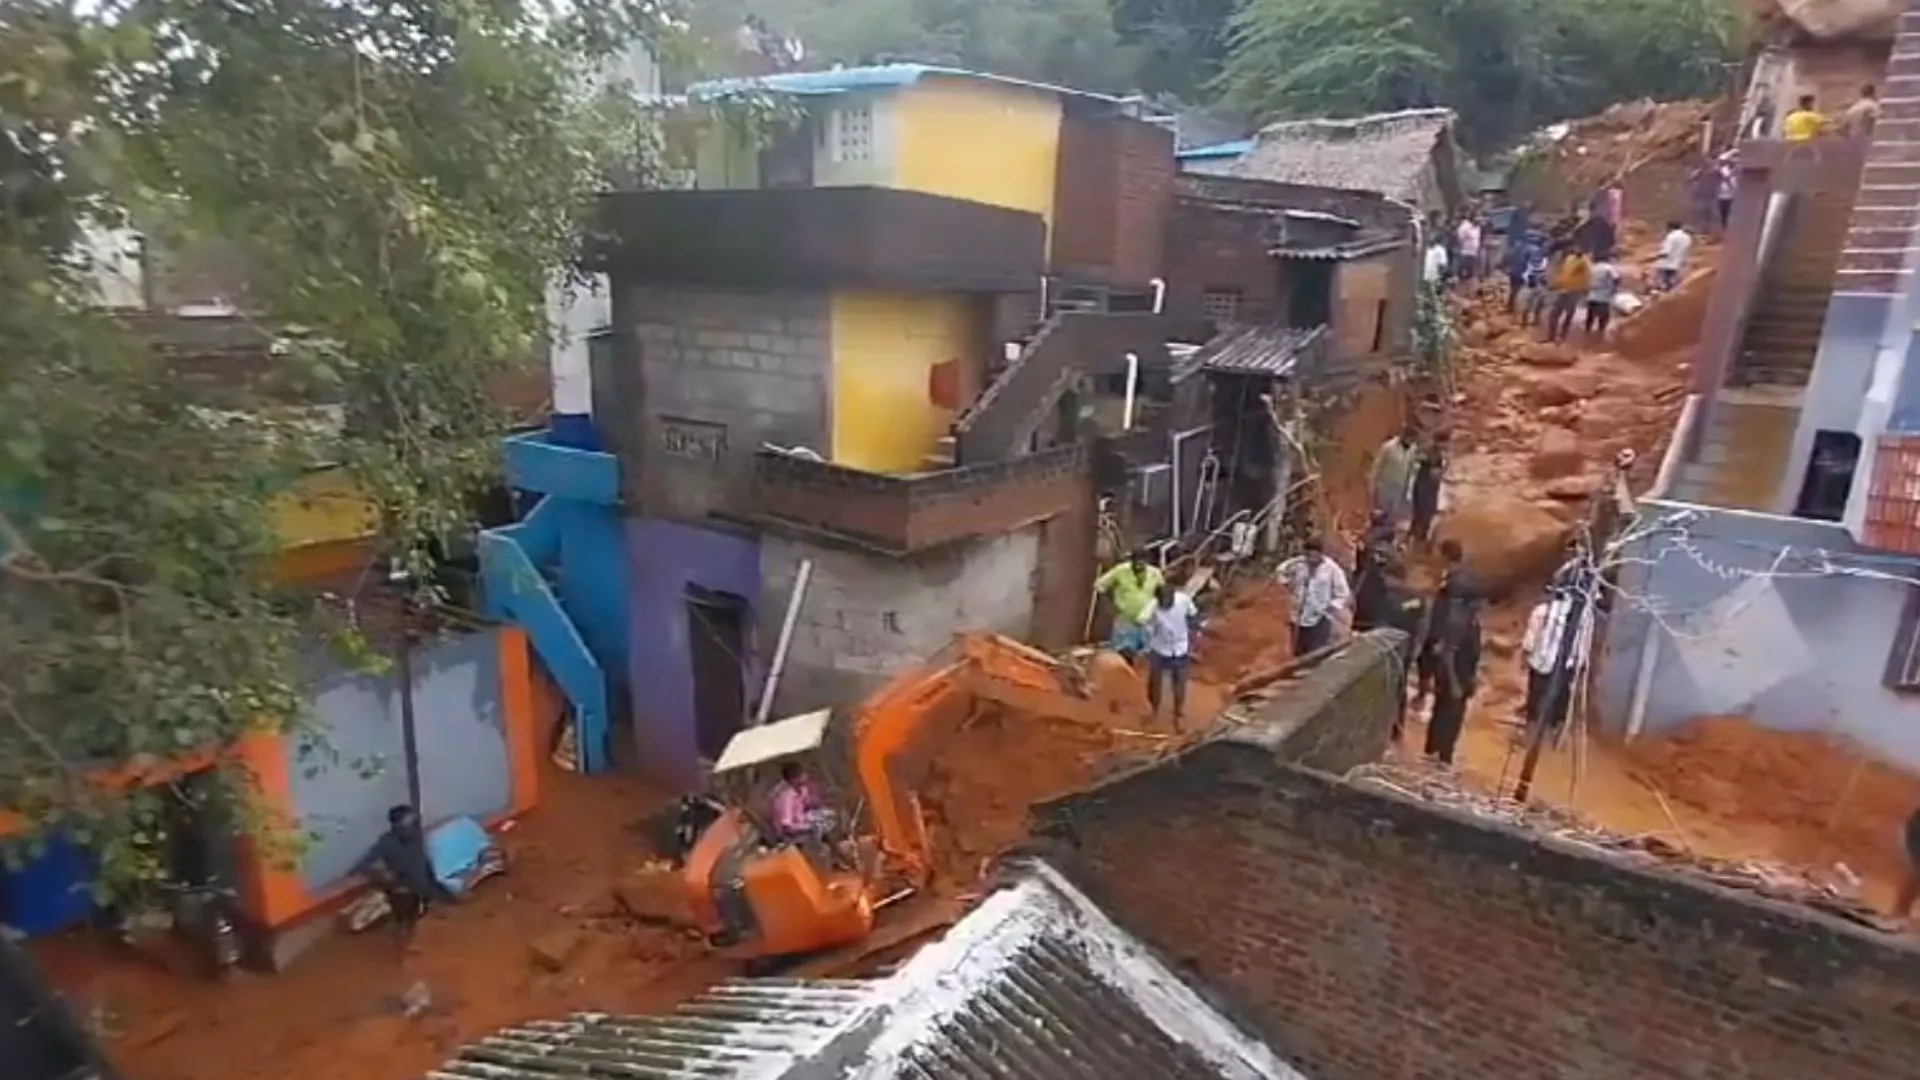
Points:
(1804, 122)
(1133, 584)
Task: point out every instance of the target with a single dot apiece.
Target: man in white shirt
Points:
(1436, 266)
(1321, 599)
(1466, 242)
(1674, 248)
(1540, 652)
(1170, 623)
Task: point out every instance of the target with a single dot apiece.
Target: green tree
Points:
(1507, 66)
(1066, 42)
(404, 177)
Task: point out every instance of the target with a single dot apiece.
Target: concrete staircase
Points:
(1747, 442)
(1783, 332)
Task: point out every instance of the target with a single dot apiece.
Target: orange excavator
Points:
(759, 897)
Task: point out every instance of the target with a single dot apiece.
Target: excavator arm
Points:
(902, 726)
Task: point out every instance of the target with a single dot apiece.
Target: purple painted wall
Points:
(663, 558)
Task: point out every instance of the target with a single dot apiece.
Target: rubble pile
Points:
(1610, 147)
(1835, 893)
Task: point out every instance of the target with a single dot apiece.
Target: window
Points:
(1903, 659)
(1829, 477)
(1221, 305)
(850, 134)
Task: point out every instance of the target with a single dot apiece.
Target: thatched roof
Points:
(1386, 153)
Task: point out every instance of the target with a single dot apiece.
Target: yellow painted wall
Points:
(974, 140)
(885, 346)
(325, 528)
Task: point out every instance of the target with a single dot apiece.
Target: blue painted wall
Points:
(342, 789)
(663, 558)
(1809, 651)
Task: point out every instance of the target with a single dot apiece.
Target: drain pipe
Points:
(1159, 295)
(1133, 386)
(778, 663)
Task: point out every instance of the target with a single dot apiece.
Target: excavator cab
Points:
(754, 892)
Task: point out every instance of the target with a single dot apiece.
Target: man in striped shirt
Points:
(1541, 650)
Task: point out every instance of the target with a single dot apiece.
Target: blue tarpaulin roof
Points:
(875, 77)
(1217, 150)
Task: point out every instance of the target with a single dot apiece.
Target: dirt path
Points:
(330, 1015)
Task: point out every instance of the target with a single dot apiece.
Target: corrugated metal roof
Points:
(1357, 248)
(1231, 149)
(740, 1029)
(1034, 984)
(875, 77)
(1257, 349)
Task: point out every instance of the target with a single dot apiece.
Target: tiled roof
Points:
(1257, 349)
(1384, 153)
(1034, 984)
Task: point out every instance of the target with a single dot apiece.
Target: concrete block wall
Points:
(724, 372)
(1367, 935)
(868, 615)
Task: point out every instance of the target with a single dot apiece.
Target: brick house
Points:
(1788, 496)
(863, 349)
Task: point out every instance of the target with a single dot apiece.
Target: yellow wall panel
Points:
(967, 139)
(885, 347)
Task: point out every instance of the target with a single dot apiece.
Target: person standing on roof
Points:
(1132, 584)
(1171, 625)
(1321, 599)
(1804, 123)
(1540, 648)
(1861, 116)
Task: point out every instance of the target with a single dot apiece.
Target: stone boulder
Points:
(1557, 454)
(1553, 389)
(1510, 540)
(1544, 354)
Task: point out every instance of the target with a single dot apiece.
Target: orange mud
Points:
(330, 1015)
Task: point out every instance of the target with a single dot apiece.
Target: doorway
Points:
(1309, 294)
(1829, 477)
(717, 648)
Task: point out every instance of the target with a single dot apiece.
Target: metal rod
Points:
(409, 727)
(778, 663)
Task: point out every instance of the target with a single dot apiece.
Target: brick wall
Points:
(724, 373)
(902, 514)
(1369, 936)
(1111, 203)
(868, 615)
(1216, 246)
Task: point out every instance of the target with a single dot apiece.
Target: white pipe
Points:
(1043, 298)
(1159, 295)
(787, 625)
(1643, 680)
(1133, 384)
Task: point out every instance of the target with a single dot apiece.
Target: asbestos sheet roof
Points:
(737, 1030)
(1257, 349)
(1384, 153)
(1034, 984)
(846, 80)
